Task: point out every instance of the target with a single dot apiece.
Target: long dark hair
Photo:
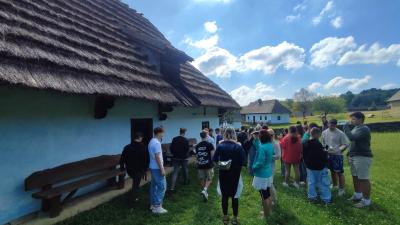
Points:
(293, 133)
(300, 130)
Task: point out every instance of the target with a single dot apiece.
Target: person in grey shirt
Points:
(336, 142)
(360, 159)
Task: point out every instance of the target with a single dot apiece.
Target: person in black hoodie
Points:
(135, 160)
(316, 160)
(179, 149)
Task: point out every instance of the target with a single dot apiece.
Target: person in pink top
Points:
(291, 155)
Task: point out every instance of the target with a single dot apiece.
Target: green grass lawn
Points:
(186, 207)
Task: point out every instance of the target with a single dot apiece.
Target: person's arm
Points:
(122, 161)
(344, 142)
(358, 134)
(159, 163)
(259, 159)
(277, 151)
(215, 157)
(172, 147)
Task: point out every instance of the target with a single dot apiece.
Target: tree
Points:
(288, 103)
(302, 101)
(329, 104)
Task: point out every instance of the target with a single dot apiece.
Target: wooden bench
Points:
(68, 178)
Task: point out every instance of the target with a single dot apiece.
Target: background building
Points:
(270, 111)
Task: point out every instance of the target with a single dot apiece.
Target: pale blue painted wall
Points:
(40, 130)
(272, 118)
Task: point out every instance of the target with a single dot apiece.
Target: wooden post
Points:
(55, 206)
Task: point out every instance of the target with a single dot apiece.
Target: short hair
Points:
(230, 134)
(158, 130)
(265, 127)
(293, 132)
(358, 115)
(210, 130)
(264, 136)
(217, 130)
(203, 134)
(182, 131)
(315, 131)
(138, 135)
(312, 125)
(300, 129)
(243, 128)
(333, 121)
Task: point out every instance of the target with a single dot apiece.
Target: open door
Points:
(144, 126)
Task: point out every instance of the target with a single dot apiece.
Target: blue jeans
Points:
(319, 179)
(157, 187)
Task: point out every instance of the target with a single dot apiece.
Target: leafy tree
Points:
(329, 104)
(288, 103)
(303, 101)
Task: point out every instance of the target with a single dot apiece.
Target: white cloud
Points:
(244, 94)
(389, 86)
(328, 7)
(292, 18)
(337, 22)
(373, 55)
(269, 58)
(350, 83)
(205, 43)
(300, 7)
(212, 1)
(329, 50)
(216, 61)
(211, 26)
(314, 86)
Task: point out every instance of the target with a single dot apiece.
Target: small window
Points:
(266, 118)
(279, 117)
(260, 117)
(205, 124)
(248, 117)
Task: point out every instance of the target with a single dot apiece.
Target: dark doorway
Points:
(144, 126)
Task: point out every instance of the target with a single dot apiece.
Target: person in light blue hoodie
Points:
(262, 168)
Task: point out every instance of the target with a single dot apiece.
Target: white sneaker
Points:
(362, 204)
(302, 183)
(285, 184)
(341, 192)
(152, 207)
(204, 194)
(159, 210)
(296, 185)
(354, 198)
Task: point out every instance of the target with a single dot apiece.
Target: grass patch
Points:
(186, 206)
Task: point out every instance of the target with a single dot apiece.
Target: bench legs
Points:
(121, 181)
(54, 206)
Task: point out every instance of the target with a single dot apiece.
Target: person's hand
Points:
(162, 172)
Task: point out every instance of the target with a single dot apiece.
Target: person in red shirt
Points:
(291, 155)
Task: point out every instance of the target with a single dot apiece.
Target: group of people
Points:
(310, 150)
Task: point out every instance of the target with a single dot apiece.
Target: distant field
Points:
(379, 116)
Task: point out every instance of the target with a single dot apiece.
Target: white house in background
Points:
(270, 111)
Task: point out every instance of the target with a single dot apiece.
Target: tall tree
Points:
(329, 104)
(302, 101)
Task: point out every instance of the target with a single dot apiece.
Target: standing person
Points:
(218, 137)
(291, 155)
(316, 158)
(210, 139)
(360, 159)
(324, 123)
(158, 181)
(336, 142)
(281, 136)
(251, 150)
(230, 181)
(179, 149)
(307, 134)
(135, 160)
(242, 137)
(204, 151)
(262, 168)
(302, 165)
(211, 133)
(276, 156)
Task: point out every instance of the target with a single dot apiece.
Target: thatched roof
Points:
(264, 107)
(81, 46)
(395, 97)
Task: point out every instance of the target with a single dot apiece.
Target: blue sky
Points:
(271, 48)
